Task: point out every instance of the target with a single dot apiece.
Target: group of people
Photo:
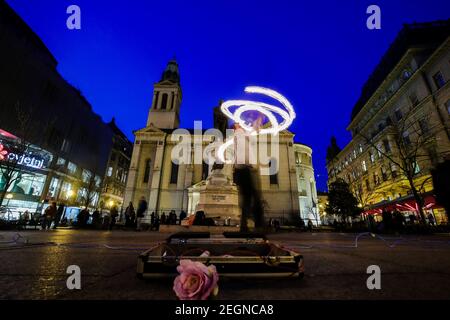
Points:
(136, 218)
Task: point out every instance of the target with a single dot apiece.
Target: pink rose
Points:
(196, 281)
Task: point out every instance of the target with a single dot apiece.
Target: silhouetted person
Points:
(163, 218)
(129, 213)
(114, 213)
(247, 179)
(183, 215)
(431, 219)
(140, 213)
(59, 214)
(49, 216)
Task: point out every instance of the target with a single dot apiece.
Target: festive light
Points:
(3, 152)
(270, 111)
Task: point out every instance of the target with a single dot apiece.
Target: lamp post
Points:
(9, 196)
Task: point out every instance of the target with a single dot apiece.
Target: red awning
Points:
(405, 205)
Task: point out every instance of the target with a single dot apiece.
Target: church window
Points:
(147, 170)
(164, 101)
(174, 173)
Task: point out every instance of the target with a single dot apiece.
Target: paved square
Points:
(413, 267)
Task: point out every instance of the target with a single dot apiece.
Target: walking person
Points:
(49, 216)
(183, 215)
(310, 225)
(431, 219)
(129, 214)
(246, 178)
(140, 213)
(114, 213)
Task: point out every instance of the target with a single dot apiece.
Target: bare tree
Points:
(409, 141)
(92, 188)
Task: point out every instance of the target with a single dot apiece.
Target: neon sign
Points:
(3, 152)
(21, 159)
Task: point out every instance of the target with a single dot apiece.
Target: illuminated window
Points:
(86, 176)
(109, 172)
(72, 167)
(273, 177)
(364, 166)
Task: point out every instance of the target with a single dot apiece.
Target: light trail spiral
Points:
(270, 111)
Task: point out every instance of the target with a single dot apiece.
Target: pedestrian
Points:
(129, 213)
(140, 213)
(96, 219)
(310, 225)
(152, 220)
(49, 216)
(183, 215)
(114, 213)
(59, 214)
(163, 218)
(431, 219)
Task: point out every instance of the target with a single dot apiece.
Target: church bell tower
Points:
(165, 110)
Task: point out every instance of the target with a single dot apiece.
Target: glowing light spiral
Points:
(270, 111)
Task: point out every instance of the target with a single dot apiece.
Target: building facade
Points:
(400, 125)
(40, 107)
(117, 169)
(168, 186)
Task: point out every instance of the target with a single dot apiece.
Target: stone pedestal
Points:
(219, 198)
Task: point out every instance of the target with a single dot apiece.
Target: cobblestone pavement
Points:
(412, 267)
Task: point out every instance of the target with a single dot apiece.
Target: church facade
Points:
(168, 186)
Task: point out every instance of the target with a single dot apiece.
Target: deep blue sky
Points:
(317, 53)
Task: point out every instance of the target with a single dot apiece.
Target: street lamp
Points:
(9, 196)
(111, 203)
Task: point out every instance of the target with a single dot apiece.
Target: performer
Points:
(246, 177)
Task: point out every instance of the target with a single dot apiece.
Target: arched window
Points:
(147, 170)
(164, 101)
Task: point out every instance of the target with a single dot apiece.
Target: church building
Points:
(169, 186)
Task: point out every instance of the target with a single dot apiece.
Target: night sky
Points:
(316, 53)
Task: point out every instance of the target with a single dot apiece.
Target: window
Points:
(109, 172)
(368, 185)
(383, 174)
(406, 139)
(86, 176)
(164, 101)
(98, 181)
(147, 170)
(174, 173)
(394, 171)
(273, 177)
(439, 80)
(72, 167)
(65, 145)
(423, 124)
(372, 157)
(416, 168)
(398, 114)
(413, 99)
(61, 162)
(364, 166)
(387, 146)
